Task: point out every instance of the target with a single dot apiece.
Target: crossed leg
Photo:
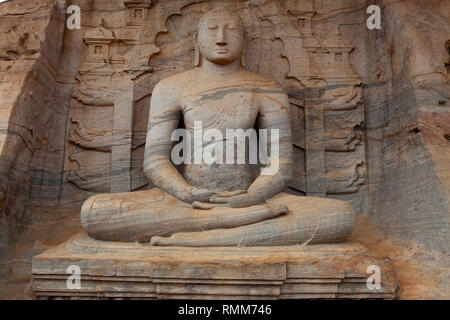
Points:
(309, 220)
(140, 216)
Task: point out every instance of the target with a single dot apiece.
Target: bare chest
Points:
(229, 108)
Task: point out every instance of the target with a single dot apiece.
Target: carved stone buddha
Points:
(204, 203)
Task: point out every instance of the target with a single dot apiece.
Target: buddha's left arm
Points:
(274, 117)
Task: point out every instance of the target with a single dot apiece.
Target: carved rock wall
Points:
(369, 107)
(135, 44)
(407, 97)
(406, 92)
(30, 46)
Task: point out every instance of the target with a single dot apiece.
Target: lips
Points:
(221, 50)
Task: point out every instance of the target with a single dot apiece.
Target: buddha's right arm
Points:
(161, 172)
(158, 168)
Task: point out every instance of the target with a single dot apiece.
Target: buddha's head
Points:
(220, 38)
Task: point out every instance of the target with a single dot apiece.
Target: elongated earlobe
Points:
(197, 56)
(244, 51)
(197, 51)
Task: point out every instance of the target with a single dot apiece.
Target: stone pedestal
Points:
(137, 271)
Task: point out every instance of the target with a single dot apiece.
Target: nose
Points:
(221, 37)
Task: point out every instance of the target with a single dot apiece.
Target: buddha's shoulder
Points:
(187, 78)
(176, 81)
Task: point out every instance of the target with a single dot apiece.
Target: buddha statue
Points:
(204, 204)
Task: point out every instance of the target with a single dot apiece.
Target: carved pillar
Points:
(122, 140)
(315, 154)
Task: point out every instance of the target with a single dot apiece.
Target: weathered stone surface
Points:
(235, 197)
(30, 46)
(56, 145)
(120, 270)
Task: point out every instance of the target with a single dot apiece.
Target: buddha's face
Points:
(220, 38)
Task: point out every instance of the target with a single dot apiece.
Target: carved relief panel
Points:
(144, 41)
